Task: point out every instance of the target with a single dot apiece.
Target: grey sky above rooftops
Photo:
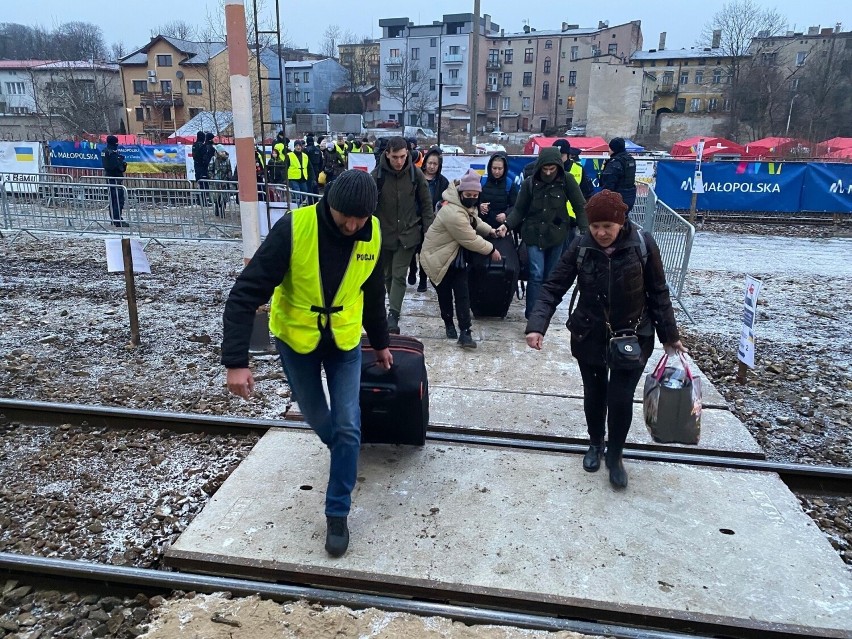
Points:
(305, 21)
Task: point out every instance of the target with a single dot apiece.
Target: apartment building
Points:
(419, 61)
(539, 80)
(310, 83)
(361, 62)
(169, 81)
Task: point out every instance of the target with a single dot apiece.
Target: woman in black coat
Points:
(499, 191)
(622, 289)
(433, 162)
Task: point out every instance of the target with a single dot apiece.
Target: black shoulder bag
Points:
(623, 350)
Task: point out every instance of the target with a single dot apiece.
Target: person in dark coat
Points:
(621, 288)
(499, 191)
(619, 173)
(315, 156)
(433, 162)
(114, 168)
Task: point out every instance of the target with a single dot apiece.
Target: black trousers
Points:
(116, 199)
(453, 285)
(608, 403)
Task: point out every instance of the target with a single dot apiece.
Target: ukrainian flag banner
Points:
(20, 162)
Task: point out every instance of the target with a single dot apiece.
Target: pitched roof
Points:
(679, 54)
(82, 65)
(206, 121)
(22, 64)
(197, 52)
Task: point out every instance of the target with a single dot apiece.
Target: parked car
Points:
(387, 124)
(499, 135)
(452, 149)
(576, 131)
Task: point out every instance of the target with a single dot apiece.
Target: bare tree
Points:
(117, 51)
(67, 41)
(822, 97)
(738, 21)
(80, 41)
(331, 37)
(179, 29)
(408, 85)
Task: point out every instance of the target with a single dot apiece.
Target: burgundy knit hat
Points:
(606, 206)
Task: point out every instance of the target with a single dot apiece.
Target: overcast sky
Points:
(305, 22)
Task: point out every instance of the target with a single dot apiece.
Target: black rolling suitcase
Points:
(492, 284)
(394, 403)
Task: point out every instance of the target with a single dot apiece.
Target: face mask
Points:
(469, 202)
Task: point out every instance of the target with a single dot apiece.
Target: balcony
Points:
(492, 88)
(493, 64)
(393, 83)
(666, 89)
(453, 58)
(394, 60)
(453, 82)
(158, 99)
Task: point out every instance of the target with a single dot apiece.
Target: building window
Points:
(394, 75)
(166, 86)
(726, 105)
(525, 104)
(138, 86)
(295, 77)
(575, 53)
(433, 42)
(415, 94)
(431, 84)
(193, 87)
(612, 49)
(454, 74)
(414, 75)
(712, 104)
(289, 96)
(164, 60)
(455, 50)
(394, 53)
(140, 114)
(527, 78)
(547, 65)
(307, 97)
(695, 105)
(769, 59)
(454, 94)
(668, 78)
(287, 77)
(415, 53)
(717, 76)
(699, 77)
(794, 84)
(680, 105)
(506, 103)
(507, 78)
(595, 51)
(306, 76)
(433, 62)
(492, 103)
(684, 77)
(508, 54)
(528, 55)
(297, 97)
(800, 58)
(193, 111)
(572, 78)
(548, 44)
(545, 91)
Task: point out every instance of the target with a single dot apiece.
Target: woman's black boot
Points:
(592, 458)
(617, 474)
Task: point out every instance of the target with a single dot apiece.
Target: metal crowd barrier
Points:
(672, 233)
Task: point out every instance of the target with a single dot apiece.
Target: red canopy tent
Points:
(840, 154)
(686, 148)
(834, 144)
(534, 145)
(771, 147)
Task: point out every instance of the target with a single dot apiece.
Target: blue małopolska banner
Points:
(733, 186)
(828, 188)
(140, 159)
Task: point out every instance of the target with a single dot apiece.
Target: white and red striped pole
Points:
(238, 63)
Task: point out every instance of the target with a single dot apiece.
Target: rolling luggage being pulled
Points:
(394, 403)
(492, 285)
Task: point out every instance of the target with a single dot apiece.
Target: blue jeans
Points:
(339, 427)
(302, 186)
(542, 262)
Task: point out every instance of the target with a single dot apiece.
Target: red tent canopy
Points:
(686, 148)
(771, 147)
(840, 154)
(834, 144)
(534, 145)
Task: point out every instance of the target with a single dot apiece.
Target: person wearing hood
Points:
(433, 162)
(315, 156)
(499, 191)
(542, 216)
(335, 159)
(222, 175)
(456, 230)
(622, 289)
(405, 213)
(619, 173)
(114, 167)
(199, 154)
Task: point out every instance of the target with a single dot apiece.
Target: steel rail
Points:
(799, 477)
(653, 626)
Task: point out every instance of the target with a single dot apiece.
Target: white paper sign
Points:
(697, 183)
(115, 258)
(746, 350)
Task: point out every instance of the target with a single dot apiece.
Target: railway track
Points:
(798, 477)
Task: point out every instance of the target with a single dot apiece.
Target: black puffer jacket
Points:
(633, 294)
(438, 184)
(500, 194)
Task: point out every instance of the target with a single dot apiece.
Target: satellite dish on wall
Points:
(179, 75)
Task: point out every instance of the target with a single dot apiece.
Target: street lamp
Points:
(790, 114)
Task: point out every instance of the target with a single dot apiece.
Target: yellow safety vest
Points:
(298, 312)
(342, 153)
(296, 171)
(577, 172)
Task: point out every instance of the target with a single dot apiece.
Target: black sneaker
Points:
(465, 340)
(451, 331)
(393, 323)
(336, 536)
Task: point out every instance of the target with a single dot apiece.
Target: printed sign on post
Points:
(115, 259)
(746, 350)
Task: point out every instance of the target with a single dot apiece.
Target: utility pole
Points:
(474, 76)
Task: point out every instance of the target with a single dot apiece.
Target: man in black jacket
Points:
(619, 173)
(114, 168)
(318, 324)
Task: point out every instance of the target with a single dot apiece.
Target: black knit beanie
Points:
(354, 194)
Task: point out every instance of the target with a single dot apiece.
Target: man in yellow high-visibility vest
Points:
(320, 265)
